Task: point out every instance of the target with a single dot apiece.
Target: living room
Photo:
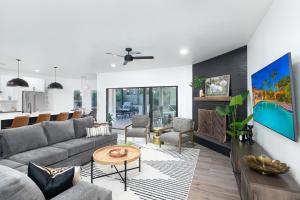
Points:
(149, 99)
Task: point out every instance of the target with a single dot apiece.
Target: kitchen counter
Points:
(5, 117)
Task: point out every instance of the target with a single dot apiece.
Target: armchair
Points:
(140, 127)
(182, 131)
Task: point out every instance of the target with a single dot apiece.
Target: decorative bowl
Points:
(265, 165)
(118, 152)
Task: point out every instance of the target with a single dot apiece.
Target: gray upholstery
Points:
(182, 124)
(80, 126)
(10, 163)
(59, 131)
(85, 191)
(75, 146)
(42, 156)
(17, 140)
(15, 185)
(173, 137)
(140, 121)
(136, 132)
(99, 141)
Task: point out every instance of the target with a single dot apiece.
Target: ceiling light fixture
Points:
(184, 51)
(113, 65)
(15, 82)
(55, 85)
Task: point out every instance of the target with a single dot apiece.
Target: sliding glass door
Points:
(160, 103)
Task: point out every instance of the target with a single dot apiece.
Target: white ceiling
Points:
(75, 34)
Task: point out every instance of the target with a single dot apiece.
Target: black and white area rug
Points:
(165, 175)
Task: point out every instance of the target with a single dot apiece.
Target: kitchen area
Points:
(31, 101)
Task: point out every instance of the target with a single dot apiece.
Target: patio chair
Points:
(140, 127)
(181, 132)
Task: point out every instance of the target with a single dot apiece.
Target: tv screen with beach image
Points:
(272, 89)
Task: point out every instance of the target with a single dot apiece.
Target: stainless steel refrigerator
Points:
(34, 101)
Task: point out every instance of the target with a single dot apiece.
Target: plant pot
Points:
(201, 93)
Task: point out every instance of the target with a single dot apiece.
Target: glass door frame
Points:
(144, 99)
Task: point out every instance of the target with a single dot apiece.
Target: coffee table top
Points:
(102, 156)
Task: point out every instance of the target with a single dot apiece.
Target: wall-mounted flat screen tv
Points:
(273, 97)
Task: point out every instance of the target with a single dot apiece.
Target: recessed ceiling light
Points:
(184, 51)
(113, 65)
(36, 70)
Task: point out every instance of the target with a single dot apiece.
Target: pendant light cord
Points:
(55, 68)
(18, 67)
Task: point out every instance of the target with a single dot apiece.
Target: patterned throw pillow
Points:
(51, 181)
(96, 131)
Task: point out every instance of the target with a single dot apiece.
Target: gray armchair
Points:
(182, 131)
(140, 127)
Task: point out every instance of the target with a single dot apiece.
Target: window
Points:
(94, 99)
(77, 99)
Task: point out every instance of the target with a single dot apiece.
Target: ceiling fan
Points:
(129, 56)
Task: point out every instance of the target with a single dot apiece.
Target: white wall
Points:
(59, 100)
(174, 76)
(277, 34)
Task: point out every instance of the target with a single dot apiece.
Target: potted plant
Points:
(198, 83)
(109, 120)
(236, 127)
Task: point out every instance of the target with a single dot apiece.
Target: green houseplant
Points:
(198, 83)
(109, 119)
(236, 126)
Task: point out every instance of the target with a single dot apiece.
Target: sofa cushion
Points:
(15, 185)
(84, 191)
(59, 131)
(99, 141)
(80, 126)
(10, 163)
(75, 146)
(173, 137)
(182, 124)
(140, 121)
(136, 132)
(17, 140)
(42, 156)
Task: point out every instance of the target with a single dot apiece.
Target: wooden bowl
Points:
(265, 165)
(118, 152)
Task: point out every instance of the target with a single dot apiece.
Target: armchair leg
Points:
(179, 146)
(146, 139)
(125, 139)
(159, 143)
(193, 140)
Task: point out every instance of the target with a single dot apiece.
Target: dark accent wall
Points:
(233, 63)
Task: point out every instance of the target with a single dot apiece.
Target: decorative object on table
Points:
(51, 181)
(15, 82)
(236, 127)
(118, 152)
(102, 156)
(265, 165)
(109, 119)
(249, 134)
(55, 85)
(198, 83)
(274, 97)
(217, 86)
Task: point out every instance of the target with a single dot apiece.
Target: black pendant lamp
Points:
(15, 82)
(55, 85)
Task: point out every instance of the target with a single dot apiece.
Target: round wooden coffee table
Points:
(101, 156)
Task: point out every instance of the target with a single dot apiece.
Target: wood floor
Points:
(213, 178)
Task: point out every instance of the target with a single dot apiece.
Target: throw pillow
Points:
(51, 181)
(97, 131)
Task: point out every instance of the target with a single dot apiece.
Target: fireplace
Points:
(212, 125)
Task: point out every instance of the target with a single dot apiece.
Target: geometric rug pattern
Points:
(165, 174)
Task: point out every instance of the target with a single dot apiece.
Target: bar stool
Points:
(62, 116)
(43, 117)
(20, 121)
(76, 115)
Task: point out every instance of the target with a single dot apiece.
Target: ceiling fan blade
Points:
(136, 52)
(143, 57)
(108, 53)
(125, 62)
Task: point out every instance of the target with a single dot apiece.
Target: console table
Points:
(253, 185)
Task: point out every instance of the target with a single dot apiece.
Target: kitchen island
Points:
(7, 118)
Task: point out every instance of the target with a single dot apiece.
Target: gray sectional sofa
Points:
(53, 144)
